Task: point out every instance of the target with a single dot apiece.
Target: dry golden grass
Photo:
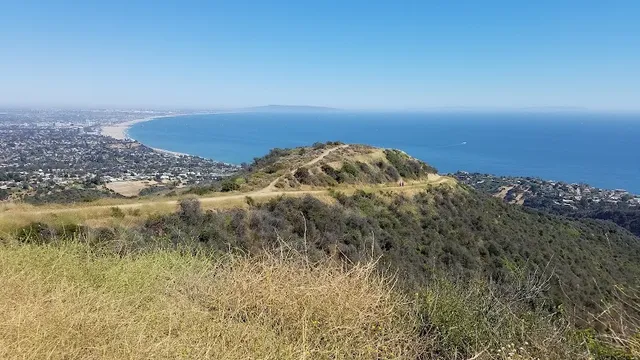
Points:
(361, 153)
(64, 302)
(21, 214)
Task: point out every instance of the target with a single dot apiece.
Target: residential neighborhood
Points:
(46, 154)
(537, 192)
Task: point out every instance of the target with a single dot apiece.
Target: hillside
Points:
(329, 165)
(341, 208)
(471, 261)
(555, 197)
(440, 230)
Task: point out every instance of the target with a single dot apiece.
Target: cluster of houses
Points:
(65, 117)
(571, 195)
(53, 157)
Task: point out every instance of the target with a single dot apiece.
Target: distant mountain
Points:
(289, 109)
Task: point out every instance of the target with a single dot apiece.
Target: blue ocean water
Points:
(595, 148)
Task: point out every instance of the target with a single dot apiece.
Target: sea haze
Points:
(599, 149)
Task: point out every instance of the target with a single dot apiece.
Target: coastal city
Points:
(74, 118)
(63, 154)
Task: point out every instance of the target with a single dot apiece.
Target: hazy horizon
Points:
(436, 109)
(355, 56)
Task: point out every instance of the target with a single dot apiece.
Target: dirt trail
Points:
(324, 154)
(433, 180)
(268, 192)
(272, 185)
(203, 200)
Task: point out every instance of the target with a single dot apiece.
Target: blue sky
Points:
(349, 54)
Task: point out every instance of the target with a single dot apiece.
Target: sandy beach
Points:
(120, 131)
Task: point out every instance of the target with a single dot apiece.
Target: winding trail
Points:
(260, 194)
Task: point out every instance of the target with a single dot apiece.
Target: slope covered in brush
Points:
(330, 164)
(439, 230)
(443, 229)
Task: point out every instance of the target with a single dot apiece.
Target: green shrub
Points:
(250, 201)
(41, 233)
(407, 167)
(117, 213)
(329, 171)
(190, 211)
(303, 176)
(229, 185)
(603, 350)
(349, 169)
(134, 212)
(197, 190)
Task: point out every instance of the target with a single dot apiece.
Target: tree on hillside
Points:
(190, 211)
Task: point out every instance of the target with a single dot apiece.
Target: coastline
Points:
(120, 131)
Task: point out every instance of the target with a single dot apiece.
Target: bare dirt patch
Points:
(129, 188)
(503, 192)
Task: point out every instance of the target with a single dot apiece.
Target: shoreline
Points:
(120, 131)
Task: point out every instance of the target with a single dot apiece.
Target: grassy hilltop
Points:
(329, 165)
(318, 252)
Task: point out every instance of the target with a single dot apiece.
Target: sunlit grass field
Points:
(67, 302)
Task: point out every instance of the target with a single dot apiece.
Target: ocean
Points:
(595, 148)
